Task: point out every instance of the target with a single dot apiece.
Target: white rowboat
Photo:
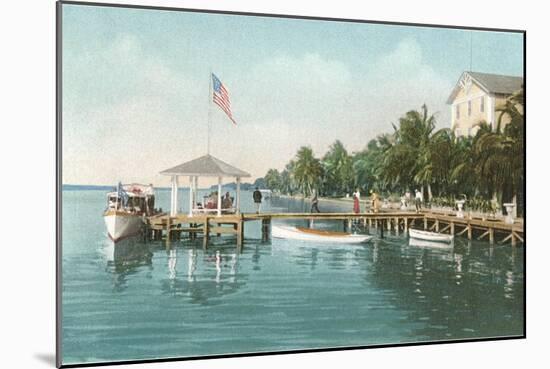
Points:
(430, 244)
(307, 234)
(430, 236)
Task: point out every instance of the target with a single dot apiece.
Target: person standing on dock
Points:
(417, 200)
(356, 208)
(407, 198)
(257, 196)
(315, 203)
(227, 201)
(375, 202)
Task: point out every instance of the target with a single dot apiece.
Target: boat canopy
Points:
(135, 190)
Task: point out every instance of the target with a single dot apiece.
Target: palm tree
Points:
(338, 169)
(439, 160)
(499, 152)
(368, 163)
(307, 170)
(410, 158)
(273, 180)
(513, 111)
(461, 178)
(288, 185)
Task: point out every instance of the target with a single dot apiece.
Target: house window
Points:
(469, 108)
(457, 110)
(482, 104)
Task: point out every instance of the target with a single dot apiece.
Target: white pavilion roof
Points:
(205, 166)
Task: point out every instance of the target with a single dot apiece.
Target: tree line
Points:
(487, 168)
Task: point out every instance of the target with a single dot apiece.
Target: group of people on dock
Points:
(375, 201)
(211, 201)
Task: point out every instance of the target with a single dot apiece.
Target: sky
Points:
(136, 96)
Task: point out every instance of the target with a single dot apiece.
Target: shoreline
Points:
(365, 204)
(335, 200)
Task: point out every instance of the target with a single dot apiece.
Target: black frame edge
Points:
(290, 352)
(525, 183)
(288, 16)
(58, 182)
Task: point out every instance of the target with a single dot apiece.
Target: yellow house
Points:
(476, 97)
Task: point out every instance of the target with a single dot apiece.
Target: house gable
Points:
(466, 86)
(491, 84)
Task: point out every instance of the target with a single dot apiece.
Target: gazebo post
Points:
(191, 195)
(238, 200)
(219, 196)
(174, 202)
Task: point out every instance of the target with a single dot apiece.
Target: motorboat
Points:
(127, 208)
(430, 236)
(317, 235)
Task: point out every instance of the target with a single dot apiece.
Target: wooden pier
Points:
(493, 230)
(209, 221)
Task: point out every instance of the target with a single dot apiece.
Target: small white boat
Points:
(429, 244)
(126, 209)
(430, 236)
(308, 234)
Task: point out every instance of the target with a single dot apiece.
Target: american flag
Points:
(221, 97)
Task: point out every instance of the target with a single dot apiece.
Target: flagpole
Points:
(209, 109)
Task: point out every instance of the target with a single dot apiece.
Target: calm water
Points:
(141, 301)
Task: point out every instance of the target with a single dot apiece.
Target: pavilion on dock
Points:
(204, 166)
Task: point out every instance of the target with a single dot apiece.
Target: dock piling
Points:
(168, 230)
(240, 236)
(266, 222)
(206, 228)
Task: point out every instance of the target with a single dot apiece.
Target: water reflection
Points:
(430, 244)
(310, 254)
(256, 258)
(172, 263)
(429, 282)
(125, 258)
(210, 275)
(191, 265)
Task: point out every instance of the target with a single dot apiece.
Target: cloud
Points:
(120, 108)
(129, 114)
(296, 89)
(402, 80)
